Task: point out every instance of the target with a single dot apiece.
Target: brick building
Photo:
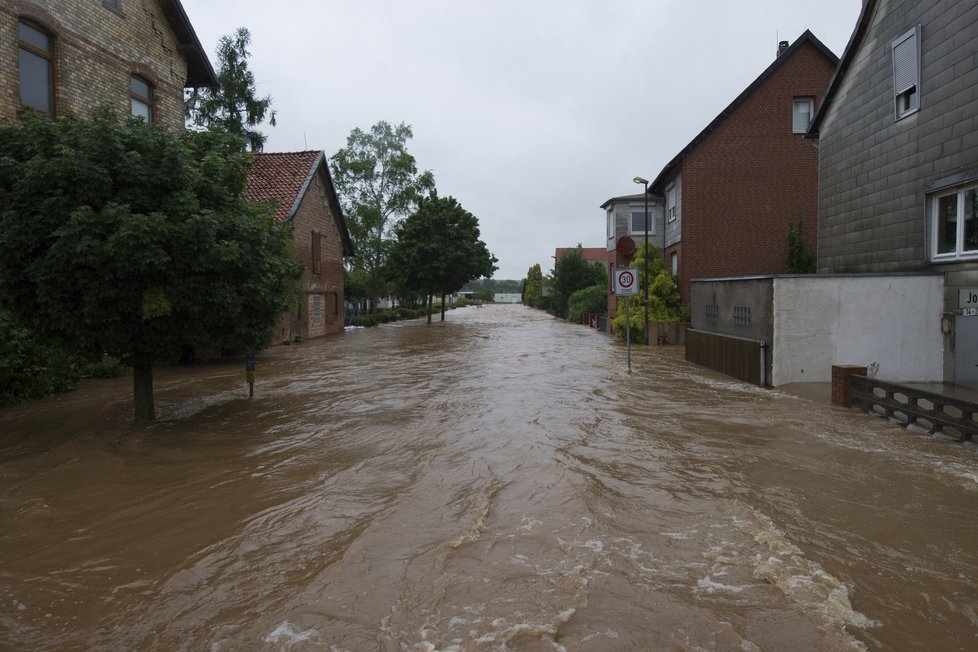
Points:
(134, 55)
(301, 186)
(729, 195)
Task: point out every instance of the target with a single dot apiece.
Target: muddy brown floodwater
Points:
(495, 482)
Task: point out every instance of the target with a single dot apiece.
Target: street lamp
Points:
(645, 183)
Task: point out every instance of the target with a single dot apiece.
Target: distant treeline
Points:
(495, 286)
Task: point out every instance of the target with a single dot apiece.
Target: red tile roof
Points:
(590, 254)
(282, 177)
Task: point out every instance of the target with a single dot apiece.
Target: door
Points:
(966, 351)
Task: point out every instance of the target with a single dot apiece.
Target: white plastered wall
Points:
(894, 321)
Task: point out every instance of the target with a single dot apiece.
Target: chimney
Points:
(782, 46)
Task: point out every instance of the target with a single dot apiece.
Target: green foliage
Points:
(127, 239)
(378, 183)
(438, 249)
(29, 369)
(533, 287)
(800, 260)
(107, 368)
(572, 273)
(508, 286)
(593, 300)
(232, 107)
(484, 295)
(664, 301)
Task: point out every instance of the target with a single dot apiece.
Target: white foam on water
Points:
(804, 582)
(707, 585)
(288, 635)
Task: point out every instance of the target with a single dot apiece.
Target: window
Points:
(36, 56)
(801, 114)
(317, 310)
(906, 73)
(611, 224)
(954, 229)
(637, 220)
(674, 263)
(317, 248)
(671, 203)
(141, 98)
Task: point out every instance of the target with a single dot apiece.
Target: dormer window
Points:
(36, 59)
(141, 98)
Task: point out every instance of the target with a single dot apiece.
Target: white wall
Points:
(893, 320)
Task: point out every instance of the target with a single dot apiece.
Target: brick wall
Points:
(749, 177)
(96, 51)
(314, 215)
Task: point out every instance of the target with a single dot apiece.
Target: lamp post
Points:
(645, 195)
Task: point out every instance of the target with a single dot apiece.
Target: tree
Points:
(572, 273)
(127, 239)
(379, 184)
(800, 260)
(533, 286)
(438, 250)
(664, 299)
(233, 106)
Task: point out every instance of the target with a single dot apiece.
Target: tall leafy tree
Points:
(572, 273)
(438, 250)
(233, 106)
(533, 286)
(128, 239)
(379, 184)
(664, 300)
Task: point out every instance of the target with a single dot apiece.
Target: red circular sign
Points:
(625, 246)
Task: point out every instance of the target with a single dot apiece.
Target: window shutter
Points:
(905, 62)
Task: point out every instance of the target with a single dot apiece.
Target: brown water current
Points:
(495, 482)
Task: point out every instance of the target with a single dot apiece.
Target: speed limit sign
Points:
(626, 281)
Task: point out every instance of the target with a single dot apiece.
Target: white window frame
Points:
(809, 103)
(671, 202)
(640, 210)
(674, 263)
(905, 60)
(959, 252)
(610, 219)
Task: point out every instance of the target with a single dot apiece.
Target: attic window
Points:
(906, 73)
(801, 114)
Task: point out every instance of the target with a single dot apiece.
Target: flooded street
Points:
(495, 482)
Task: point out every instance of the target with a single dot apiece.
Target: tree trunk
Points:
(142, 393)
(443, 307)
(431, 298)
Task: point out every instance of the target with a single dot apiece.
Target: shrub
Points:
(589, 300)
(29, 369)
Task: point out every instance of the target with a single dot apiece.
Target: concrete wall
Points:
(894, 321)
(96, 51)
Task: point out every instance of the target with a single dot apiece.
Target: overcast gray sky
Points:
(530, 112)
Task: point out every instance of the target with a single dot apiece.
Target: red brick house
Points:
(729, 195)
(301, 185)
(134, 55)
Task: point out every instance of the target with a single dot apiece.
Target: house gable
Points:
(877, 168)
(97, 49)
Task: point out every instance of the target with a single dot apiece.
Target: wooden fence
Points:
(933, 411)
(739, 357)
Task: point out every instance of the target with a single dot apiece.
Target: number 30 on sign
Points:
(626, 281)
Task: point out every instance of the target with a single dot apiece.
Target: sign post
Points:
(250, 372)
(626, 285)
